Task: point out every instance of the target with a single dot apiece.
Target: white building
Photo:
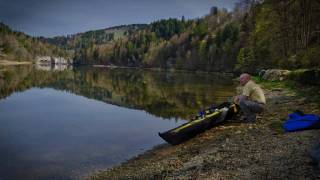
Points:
(52, 60)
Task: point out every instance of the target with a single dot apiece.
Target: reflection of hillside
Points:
(11, 79)
(159, 93)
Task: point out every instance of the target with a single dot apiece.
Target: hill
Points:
(254, 36)
(19, 46)
(86, 39)
(199, 44)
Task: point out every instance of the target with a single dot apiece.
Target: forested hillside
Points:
(19, 46)
(283, 34)
(255, 35)
(84, 40)
(207, 44)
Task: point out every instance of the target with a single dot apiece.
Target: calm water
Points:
(66, 124)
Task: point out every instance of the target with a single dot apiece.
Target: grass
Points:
(312, 93)
(289, 85)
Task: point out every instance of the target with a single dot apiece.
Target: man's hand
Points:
(239, 98)
(236, 100)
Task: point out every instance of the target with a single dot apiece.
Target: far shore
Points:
(163, 69)
(13, 63)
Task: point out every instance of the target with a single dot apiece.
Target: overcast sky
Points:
(61, 17)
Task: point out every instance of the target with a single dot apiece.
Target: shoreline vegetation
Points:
(261, 150)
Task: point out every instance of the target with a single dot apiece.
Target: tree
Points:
(214, 10)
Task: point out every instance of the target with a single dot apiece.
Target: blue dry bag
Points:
(299, 121)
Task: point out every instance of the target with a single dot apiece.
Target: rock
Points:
(193, 163)
(262, 72)
(275, 74)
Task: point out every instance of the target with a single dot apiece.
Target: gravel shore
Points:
(259, 150)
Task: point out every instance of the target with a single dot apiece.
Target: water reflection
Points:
(50, 134)
(53, 67)
(164, 94)
(64, 124)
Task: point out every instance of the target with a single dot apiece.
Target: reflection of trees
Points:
(159, 93)
(11, 79)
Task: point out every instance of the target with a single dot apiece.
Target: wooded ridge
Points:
(255, 35)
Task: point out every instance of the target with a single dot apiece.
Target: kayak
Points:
(207, 119)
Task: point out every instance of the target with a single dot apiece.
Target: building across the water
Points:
(48, 63)
(53, 60)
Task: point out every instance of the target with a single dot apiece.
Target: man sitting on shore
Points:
(251, 100)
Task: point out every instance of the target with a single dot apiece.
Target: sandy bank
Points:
(13, 63)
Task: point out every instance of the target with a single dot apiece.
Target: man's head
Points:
(244, 78)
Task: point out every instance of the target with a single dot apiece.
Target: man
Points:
(252, 99)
